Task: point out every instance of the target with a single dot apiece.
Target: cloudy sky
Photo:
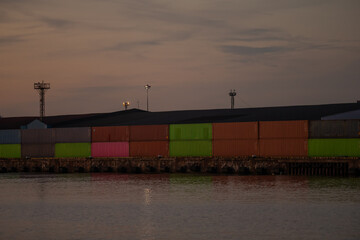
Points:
(98, 53)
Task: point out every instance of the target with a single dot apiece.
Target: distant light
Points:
(147, 86)
(126, 104)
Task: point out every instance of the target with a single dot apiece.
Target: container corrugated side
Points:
(12, 136)
(199, 131)
(37, 136)
(334, 129)
(290, 147)
(149, 149)
(38, 150)
(149, 133)
(110, 149)
(110, 134)
(196, 148)
(284, 129)
(10, 150)
(236, 130)
(72, 135)
(63, 150)
(349, 147)
(235, 147)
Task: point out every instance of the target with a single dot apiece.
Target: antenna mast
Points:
(41, 87)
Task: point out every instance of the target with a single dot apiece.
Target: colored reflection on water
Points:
(177, 206)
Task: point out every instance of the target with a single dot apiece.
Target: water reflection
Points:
(177, 206)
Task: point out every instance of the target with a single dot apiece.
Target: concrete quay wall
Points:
(240, 166)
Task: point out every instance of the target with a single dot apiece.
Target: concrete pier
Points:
(239, 166)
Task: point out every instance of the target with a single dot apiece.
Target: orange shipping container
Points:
(283, 147)
(233, 148)
(110, 134)
(284, 129)
(149, 149)
(237, 130)
(149, 133)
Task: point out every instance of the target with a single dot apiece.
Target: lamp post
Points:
(147, 87)
(232, 94)
(126, 104)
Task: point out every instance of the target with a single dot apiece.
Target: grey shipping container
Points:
(10, 136)
(334, 129)
(72, 135)
(33, 136)
(37, 150)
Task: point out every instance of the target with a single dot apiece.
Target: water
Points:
(174, 206)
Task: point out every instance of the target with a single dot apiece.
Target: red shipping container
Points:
(149, 149)
(233, 148)
(236, 130)
(110, 134)
(284, 129)
(283, 147)
(149, 133)
(110, 149)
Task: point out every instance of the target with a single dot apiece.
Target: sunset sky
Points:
(98, 53)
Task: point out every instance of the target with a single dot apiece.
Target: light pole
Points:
(41, 87)
(232, 94)
(147, 87)
(126, 104)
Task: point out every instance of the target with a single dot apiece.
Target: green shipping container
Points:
(190, 148)
(10, 150)
(72, 150)
(200, 131)
(334, 147)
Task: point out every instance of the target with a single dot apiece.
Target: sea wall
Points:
(241, 166)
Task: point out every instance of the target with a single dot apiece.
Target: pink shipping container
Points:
(149, 149)
(233, 148)
(110, 149)
(283, 147)
(284, 129)
(236, 130)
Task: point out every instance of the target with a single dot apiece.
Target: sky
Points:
(96, 54)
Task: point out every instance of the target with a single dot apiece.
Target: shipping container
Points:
(63, 150)
(349, 147)
(72, 135)
(10, 150)
(283, 129)
(196, 148)
(38, 150)
(290, 147)
(235, 147)
(12, 136)
(236, 130)
(110, 134)
(335, 129)
(110, 149)
(200, 131)
(149, 133)
(37, 136)
(149, 149)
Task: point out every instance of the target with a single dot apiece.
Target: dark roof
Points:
(17, 122)
(140, 117)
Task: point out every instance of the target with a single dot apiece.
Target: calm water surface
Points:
(173, 206)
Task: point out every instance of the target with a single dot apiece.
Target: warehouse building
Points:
(141, 117)
(295, 131)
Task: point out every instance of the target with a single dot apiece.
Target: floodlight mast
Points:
(126, 104)
(41, 87)
(147, 87)
(232, 94)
